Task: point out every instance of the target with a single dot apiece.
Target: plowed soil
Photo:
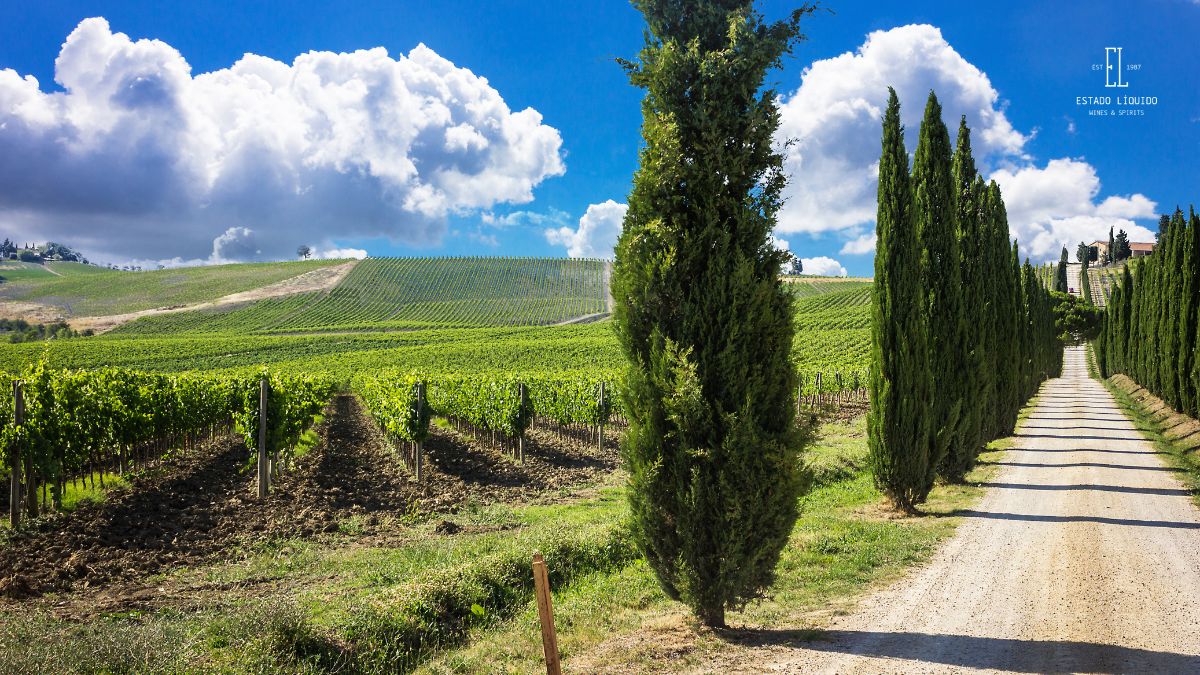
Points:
(201, 506)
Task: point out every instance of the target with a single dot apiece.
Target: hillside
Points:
(73, 290)
(406, 293)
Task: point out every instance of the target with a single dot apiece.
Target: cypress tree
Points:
(1110, 256)
(934, 207)
(701, 315)
(1189, 299)
(1168, 312)
(1060, 275)
(1005, 297)
(969, 190)
(1024, 338)
(898, 422)
(1085, 282)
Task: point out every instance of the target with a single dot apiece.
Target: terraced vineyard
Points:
(805, 287)
(406, 293)
(81, 290)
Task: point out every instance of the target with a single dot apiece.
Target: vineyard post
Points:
(523, 398)
(601, 431)
(420, 415)
(541, 582)
(819, 390)
(264, 470)
(14, 494)
(839, 385)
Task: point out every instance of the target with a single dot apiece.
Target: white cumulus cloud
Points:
(1055, 206)
(139, 157)
(823, 266)
(833, 121)
(860, 245)
(597, 234)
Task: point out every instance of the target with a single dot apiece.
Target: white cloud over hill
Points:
(596, 236)
(140, 158)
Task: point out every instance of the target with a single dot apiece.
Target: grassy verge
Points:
(846, 543)
(1176, 454)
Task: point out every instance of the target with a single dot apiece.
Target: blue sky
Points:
(1066, 174)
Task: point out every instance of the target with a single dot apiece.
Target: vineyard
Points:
(81, 290)
(407, 293)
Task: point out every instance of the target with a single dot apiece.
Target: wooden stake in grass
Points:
(541, 583)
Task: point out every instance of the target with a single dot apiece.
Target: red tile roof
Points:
(1141, 246)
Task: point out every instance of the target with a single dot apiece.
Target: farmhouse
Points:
(1139, 249)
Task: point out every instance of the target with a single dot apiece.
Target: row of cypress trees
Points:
(962, 333)
(1151, 324)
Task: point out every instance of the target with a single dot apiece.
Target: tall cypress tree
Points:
(969, 188)
(934, 205)
(700, 313)
(1189, 300)
(1171, 257)
(898, 422)
(1007, 325)
(1060, 274)
(1024, 338)
(1110, 257)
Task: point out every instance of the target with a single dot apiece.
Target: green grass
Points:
(844, 545)
(14, 272)
(1176, 455)
(407, 293)
(95, 293)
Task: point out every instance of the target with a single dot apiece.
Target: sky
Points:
(185, 133)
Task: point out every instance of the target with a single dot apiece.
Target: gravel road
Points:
(1083, 556)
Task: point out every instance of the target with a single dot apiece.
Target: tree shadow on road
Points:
(963, 651)
(1036, 518)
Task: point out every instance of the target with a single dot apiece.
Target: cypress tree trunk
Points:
(934, 205)
(898, 421)
(701, 315)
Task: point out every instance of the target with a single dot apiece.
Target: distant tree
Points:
(1164, 224)
(1110, 256)
(1121, 249)
(1060, 276)
(1083, 253)
(796, 267)
(304, 252)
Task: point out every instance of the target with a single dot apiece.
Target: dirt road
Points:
(1084, 556)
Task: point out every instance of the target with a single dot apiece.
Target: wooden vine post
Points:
(523, 399)
(541, 583)
(420, 414)
(14, 494)
(819, 397)
(264, 468)
(600, 431)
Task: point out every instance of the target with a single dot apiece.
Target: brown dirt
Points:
(31, 312)
(200, 506)
(316, 280)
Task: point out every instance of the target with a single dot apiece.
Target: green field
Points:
(832, 335)
(82, 290)
(407, 293)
